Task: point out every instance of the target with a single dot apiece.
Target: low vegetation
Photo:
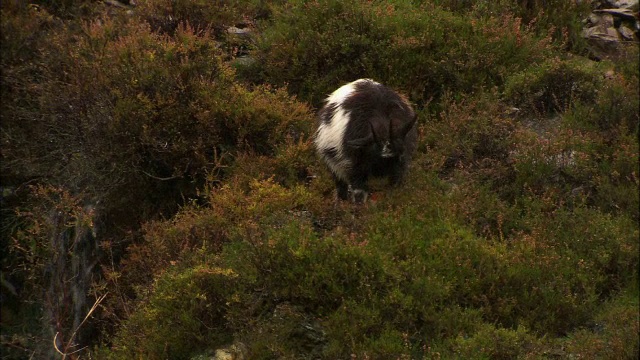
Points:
(211, 221)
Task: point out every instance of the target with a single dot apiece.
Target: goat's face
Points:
(386, 135)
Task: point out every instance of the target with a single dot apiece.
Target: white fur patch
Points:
(330, 135)
(342, 93)
(357, 194)
(386, 151)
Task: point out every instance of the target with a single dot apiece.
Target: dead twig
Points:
(73, 335)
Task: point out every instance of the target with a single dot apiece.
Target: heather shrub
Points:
(603, 244)
(423, 50)
(513, 155)
(554, 85)
(166, 15)
(293, 163)
(195, 237)
(471, 134)
(470, 144)
(23, 30)
(232, 213)
(616, 184)
(185, 314)
(562, 19)
(132, 109)
(514, 236)
(613, 331)
(405, 280)
(23, 27)
(67, 9)
(541, 181)
(490, 342)
(573, 167)
(45, 269)
(615, 108)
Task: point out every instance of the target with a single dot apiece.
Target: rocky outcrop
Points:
(610, 25)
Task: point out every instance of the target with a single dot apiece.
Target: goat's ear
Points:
(361, 142)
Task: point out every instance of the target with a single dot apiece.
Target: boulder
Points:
(622, 4)
(244, 33)
(627, 34)
(612, 23)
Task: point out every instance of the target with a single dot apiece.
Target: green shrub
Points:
(468, 131)
(314, 47)
(490, 342)
(613, 332)
(402, 280)
(185, 315)
(554, 85)
(573, 167)
(127, 108)
(69, 9)
(46, 268)
(167, 15)
(601, 244)
(513, 237)
(293, 163)
(562, 19)
(614, 110)
(232, 215)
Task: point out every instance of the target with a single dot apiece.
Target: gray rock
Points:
(624, 14)
(592, 20)
(627, 33)
(626, 4)
(604, 33)
(242, 33)
(606, 28)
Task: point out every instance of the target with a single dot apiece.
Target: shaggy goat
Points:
(365, 129)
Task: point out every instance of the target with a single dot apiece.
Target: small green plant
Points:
(184, 315)
(490, 342)
(554, 86)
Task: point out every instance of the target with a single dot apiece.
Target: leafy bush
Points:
(554, 86)
(167, 15)
(403, 281)
(495, 343)
(314, 47)
(613, 332)
(47, 269)
(185, 313)
(560, 18)
(127, 108)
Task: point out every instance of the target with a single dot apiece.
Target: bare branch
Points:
(161, 178)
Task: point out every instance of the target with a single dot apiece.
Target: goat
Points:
(365, 129)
